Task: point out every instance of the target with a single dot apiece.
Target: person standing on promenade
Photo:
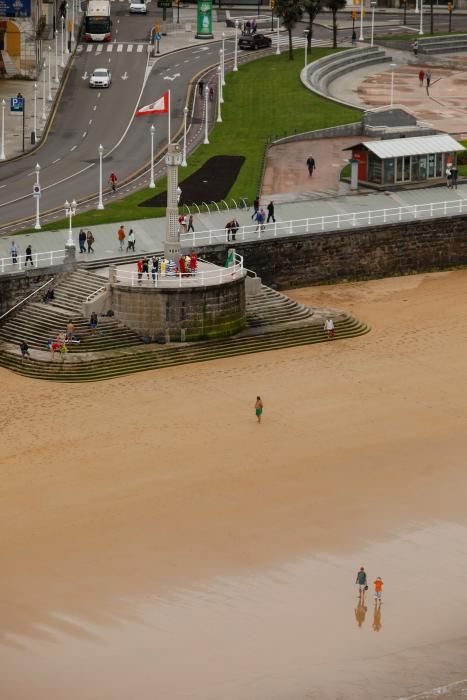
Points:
(259, 408)
(82, 241)
(378, 590)
(311, 165)
(14, 253)
(28, 256)
(131, 241)
(421, 77)
(361, 582)
(190, 224)
(449, 177)
(270, 209)
(121, 237)
(428, 81)
(454, 177)
(90, 241)
(255, 207)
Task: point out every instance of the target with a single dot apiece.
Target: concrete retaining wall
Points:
(189, 313)
(353, 129)
(379, 251)
(16, 286)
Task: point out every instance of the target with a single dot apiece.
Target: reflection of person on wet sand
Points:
(377, 624)
(360, 612)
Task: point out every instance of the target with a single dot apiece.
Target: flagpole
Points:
(169, 118)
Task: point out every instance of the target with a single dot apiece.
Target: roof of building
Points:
(414, 146)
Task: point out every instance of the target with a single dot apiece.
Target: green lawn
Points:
(265, 100)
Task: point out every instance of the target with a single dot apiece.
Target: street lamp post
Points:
(393, 66)
(152, 184)
(56, 55)
(360, 38)
(235, 68)
(404, 2)
(43, 91)
(35, 112)
(70, 211)
(421, 32)
(37, 195)
(185, 117)
(219, 92)
(2, 145)
(373, 7)
(223, 59)
(100, 150)
(49, 95)
(206, 117)
(306, 32)
(278, 48)
(450, 15)
(72, 35)
(416, 7)
(62, 63)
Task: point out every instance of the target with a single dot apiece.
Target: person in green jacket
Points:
(361, 582)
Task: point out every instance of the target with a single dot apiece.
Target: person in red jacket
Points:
(139, 267)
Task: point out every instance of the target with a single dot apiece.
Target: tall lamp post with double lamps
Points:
(373, 8)
(49, 94)
(185, 117)
(100, 150)
(35, 113)
(306, 32)
(221, 91)
(70, 211)
(62, 63)
(421, 32)
(206, 114)
(360, 38)
(2, 145)
(223, 59)
(43, 89)
(278, 48)
(393, 66)
(152, 130)
(235, 67)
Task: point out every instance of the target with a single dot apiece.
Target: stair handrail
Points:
(94, 294)
(26, 298)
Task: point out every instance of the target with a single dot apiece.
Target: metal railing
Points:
(51, 257)
(20, 303)
(333, 222)
(218, 275)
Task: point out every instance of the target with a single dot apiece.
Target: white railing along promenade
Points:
(203, 277)
(51, 257)
(332, 222)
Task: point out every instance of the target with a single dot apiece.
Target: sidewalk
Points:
(150, 232)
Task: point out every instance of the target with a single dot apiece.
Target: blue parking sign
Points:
(17, 104)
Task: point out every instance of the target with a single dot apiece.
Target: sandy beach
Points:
(156, 542)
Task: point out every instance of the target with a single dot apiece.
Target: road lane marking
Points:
(94, 108)
(139, 48)
(90, 122)
(109, 47)
(89, 48)
(129, 48)
(84, 134)
(120, 48)
(85, 75)
(73, 148)
(125, 76)
(55, 161)
(2, 186)
(110, 60)
(99, 49)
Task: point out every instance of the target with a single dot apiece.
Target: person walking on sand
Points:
(121, 237)
(378, 589)
(259, 408)
(329, 328)
(311, 165)
(361, 582)
(421, 77)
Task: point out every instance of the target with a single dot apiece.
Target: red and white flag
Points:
(160, 106)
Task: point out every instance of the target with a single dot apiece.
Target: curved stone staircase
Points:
(274, 321)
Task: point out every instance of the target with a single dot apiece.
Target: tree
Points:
(290, 11)
(313, 8)
(335, 6)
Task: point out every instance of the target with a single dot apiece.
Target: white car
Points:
(100, 78)
(138, 7)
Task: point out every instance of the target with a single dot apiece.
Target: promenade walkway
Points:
(150, 232)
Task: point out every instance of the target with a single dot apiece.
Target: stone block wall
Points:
(379, 251)
(16, 286)
(184, 313)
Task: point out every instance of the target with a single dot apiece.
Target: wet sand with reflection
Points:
(157, 542)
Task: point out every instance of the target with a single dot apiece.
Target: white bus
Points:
(98, 25)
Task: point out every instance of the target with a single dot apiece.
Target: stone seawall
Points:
(379, 251)
(186, 313)
(15, 287)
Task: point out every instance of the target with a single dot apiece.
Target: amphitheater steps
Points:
(118, 363)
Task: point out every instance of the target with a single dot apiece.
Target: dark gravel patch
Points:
(211, 183)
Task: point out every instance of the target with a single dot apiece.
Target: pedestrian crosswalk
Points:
(109, 48)
(298, 41)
